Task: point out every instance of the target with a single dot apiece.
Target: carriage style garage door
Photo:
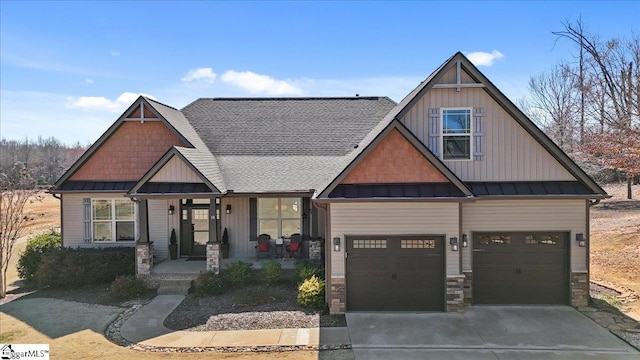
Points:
(398, 273)
(521, 268)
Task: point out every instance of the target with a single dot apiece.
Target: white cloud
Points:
(101, 103)
(115, 53)
(88, 81)
(201, 74)
(480, 58)
(260, 84)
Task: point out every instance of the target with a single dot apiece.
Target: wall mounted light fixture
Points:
(336, 244)
(582, 241)
(465, 241)
(453, 241)
(171, 209)
(228, 209)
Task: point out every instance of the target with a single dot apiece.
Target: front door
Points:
(195, 230)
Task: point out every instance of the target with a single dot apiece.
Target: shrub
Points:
(271, 272)
(311, 293)
(306, 271)
(209, 283)
(29, 260)
(254, 296)
(128, 287)
(238, 273)
(66, 267)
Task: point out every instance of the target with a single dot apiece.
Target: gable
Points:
(129, 152)
(175, 170)
(510, 152)
(394, 160)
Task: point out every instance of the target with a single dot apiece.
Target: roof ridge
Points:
(293, 98)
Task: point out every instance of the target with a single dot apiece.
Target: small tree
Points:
(15, 190)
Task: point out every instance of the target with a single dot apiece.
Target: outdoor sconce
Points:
(454, 243)
(228, 209)
(336, 244)
(465, 241)
(582, 242)
(171, 209)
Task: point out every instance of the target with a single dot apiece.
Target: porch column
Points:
(143, 221)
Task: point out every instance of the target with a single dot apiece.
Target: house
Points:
(451, 197)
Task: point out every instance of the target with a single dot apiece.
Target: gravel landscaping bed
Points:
(250, 308)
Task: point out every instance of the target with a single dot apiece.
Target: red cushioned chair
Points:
(264, 246)
(293, 249)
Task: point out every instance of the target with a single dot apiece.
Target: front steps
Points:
(170, 283)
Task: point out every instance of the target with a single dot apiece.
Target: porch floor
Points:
(182, 266)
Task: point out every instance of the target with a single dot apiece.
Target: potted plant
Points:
(173, 245)
(224, 246)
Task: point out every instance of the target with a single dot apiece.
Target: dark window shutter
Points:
(478, 133)
(306, 218)
(86, 203)
(253, 219)
(434, 131)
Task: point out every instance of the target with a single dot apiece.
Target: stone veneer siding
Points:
(144, 258)
(213, 257)
(455, 293)
(579, 289)
(338, 296)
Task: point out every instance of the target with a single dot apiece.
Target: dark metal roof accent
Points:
(397, 190)
(528, 188)
(90, 186)
(173, 188)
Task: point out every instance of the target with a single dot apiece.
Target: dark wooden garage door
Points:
(520, 268)
(395, 273)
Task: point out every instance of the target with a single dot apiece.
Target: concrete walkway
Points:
(145, 328)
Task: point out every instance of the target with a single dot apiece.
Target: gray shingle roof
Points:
(285, 126)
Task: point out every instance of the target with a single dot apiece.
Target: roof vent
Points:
(357, 95)
(355, 146)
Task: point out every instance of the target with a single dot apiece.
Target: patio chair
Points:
(264, 246)
(293, 249)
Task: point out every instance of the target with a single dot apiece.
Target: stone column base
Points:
(455, 293)
(468, 288)
(579, 289)
(315, 252)
(144, 258)
(338, 296)
(213, 257)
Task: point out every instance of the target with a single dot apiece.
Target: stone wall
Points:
(213, 257)
(338, 296)
(455, 293)
(579, 289)
(144, 258)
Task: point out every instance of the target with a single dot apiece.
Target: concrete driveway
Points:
(485, 332)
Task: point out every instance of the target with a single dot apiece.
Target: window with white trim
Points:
(456, 134)
(279, 217)
(113, 220)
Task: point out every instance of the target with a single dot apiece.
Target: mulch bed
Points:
(249, 308)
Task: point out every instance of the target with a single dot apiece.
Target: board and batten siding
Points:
(159, 227)
(393, 218)
(511, 154)
(175, 170)
(73, 220)
(526, 215)
(237, 224)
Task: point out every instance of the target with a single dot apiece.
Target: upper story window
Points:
(456, 134)
(113, 220)
(279, 217)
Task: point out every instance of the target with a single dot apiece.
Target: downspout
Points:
(59, 197)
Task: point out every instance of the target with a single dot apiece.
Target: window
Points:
(279, 217)
(113, 220)
(369, 244)
(456, 134)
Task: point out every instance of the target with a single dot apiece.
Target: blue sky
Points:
(69, 69)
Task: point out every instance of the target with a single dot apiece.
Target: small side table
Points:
(279, 248)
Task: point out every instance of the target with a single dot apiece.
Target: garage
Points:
(521, 268)
(395, 273)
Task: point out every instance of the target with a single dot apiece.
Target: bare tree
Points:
(555, 99)
(615, 91)
(14, 195)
